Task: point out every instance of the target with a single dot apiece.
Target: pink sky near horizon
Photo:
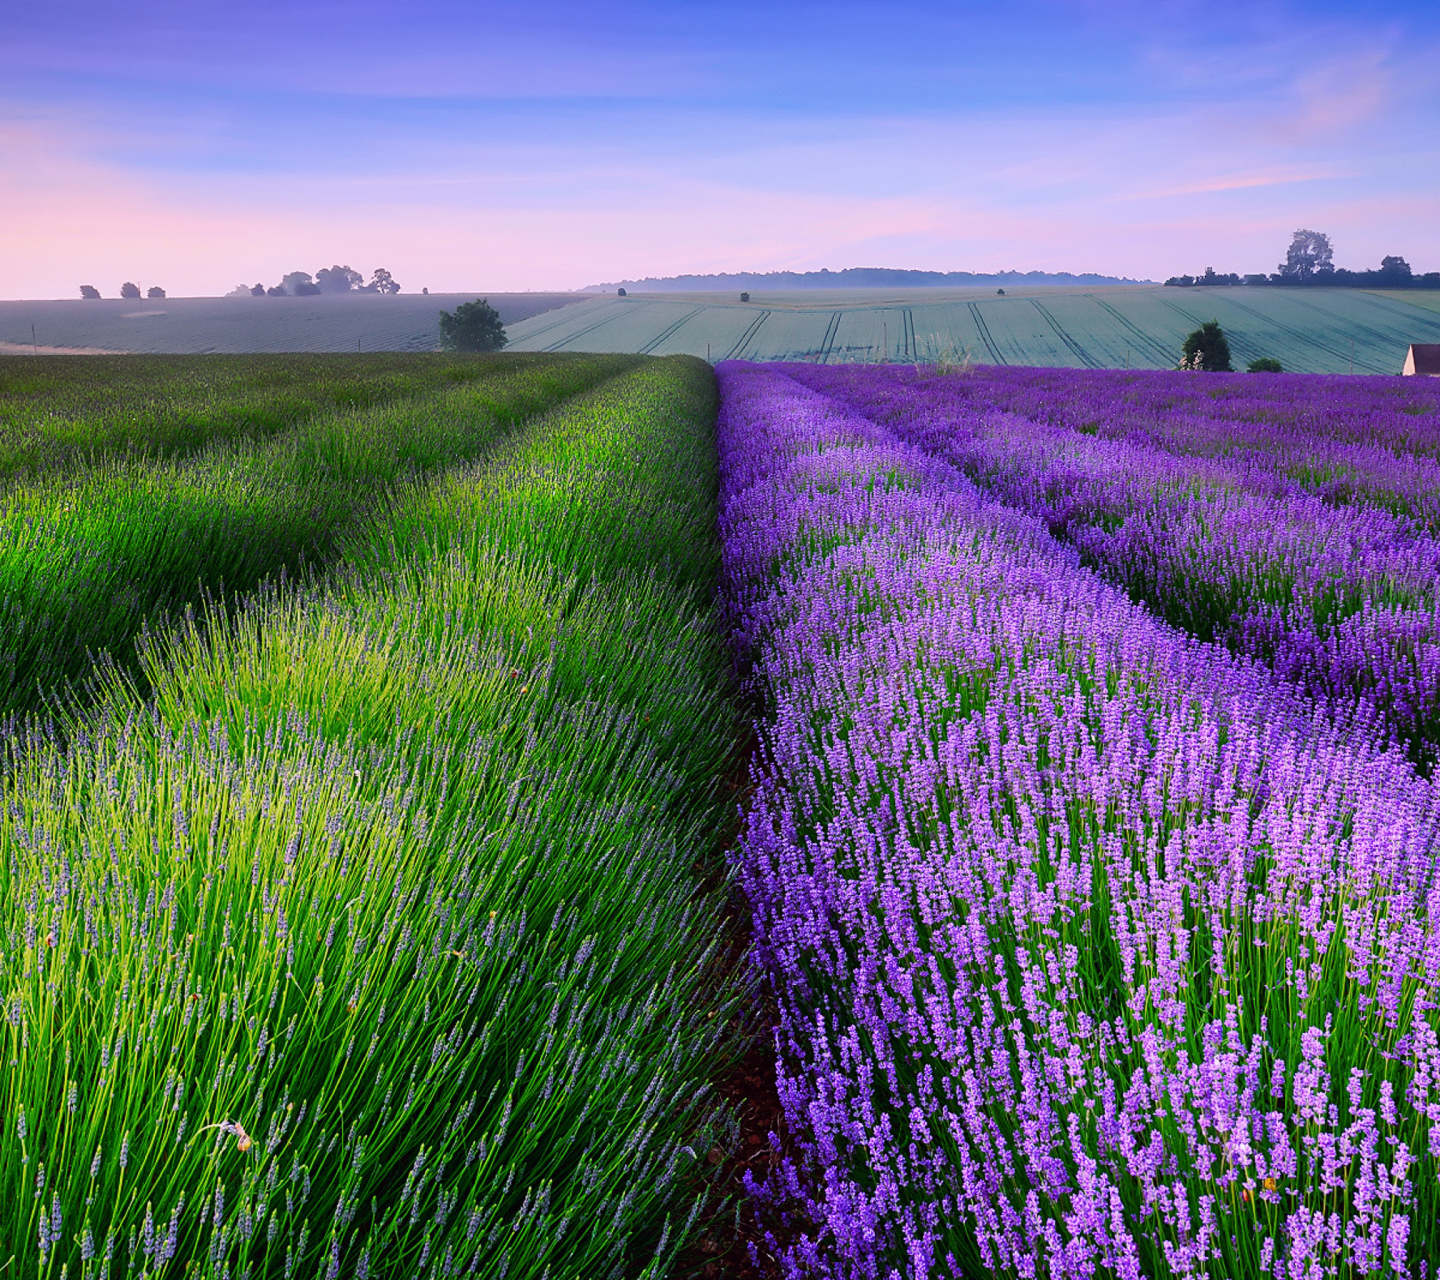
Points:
(570, 197)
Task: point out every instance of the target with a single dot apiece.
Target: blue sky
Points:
(553, 145)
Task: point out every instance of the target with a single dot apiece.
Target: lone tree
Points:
(129, 289)
(382, 282)
(89, 291)
(472, 326)
(1206, 350)
(154, 291)
(1309, 256)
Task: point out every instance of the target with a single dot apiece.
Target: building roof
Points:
(1423, 358)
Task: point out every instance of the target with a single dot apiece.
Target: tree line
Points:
(336, 279)
(127, 290)
(1310, 261)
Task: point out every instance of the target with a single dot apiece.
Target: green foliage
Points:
(1308, 256)
(1206, 350)
(372, 943)
(90, 560)
(59, 412)
(1265, 364)
(472, 326)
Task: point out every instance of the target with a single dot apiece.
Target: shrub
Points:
(1206, 350)
(472, 326)
(744, 297)
(154, 291)
(1265, 364)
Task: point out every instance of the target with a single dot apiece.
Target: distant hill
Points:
(853, 278)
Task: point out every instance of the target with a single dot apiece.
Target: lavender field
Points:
(1092, 852)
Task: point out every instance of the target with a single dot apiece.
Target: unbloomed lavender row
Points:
(1339, 598)
(1096, 953)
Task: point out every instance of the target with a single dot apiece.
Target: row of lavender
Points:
(1283, 534)
(1098, 951)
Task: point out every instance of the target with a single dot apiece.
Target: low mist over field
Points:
(333, 322)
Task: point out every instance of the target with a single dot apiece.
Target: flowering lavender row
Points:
(1344, 438)
(1339, 598)
(1095, 952)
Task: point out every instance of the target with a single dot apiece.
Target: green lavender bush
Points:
(72, 411)
(371, 944)
(89, 558)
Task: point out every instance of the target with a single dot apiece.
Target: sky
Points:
(468, 145)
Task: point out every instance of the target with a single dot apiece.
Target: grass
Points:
(370, 944)
(89, 559)
(69, 411)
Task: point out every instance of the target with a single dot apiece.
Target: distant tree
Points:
(1265, 364)
(1206, 350)
(744, 297)
(473, 326)
(299, 283)
(1181, 282)
(620, 293)
(154, 291)
(1309, 256)
(258, 291)
(275, 291)
(382, 282)
(338, 279)
(999, 293)
(426, 290)
(1395, 270)
(129, 290)
(89, 291)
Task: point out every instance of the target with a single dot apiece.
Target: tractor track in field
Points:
(1074, 347)
(1375, 335)
(1156, 346)
(1304, 339)
(747, 337)
(1300, 336)
(984, 329)
(551, 327)
(827, 343)
(580, 333)
(669, 331)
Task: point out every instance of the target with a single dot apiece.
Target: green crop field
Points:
(1308, 331)
(193, 326)
(366, 919)
(1427, 298)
